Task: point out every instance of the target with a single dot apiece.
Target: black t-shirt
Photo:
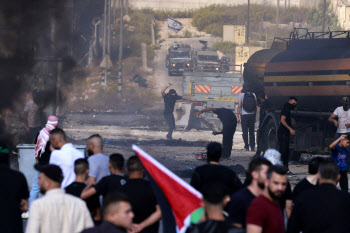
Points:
(213, 226)
(240, 201)
(76, 188)
(109, 184)
(323, 209)
(286, 196)
(14, 188)
(215, 173)
(302, 186)
(44, 158)
(143, 201)
(169, 101)
(226, 116)
(266, 105)
(286, 112)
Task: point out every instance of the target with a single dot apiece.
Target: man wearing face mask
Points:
(170, 99)
(285, 129)
(343, 115)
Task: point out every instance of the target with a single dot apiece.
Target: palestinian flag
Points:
(180, 202)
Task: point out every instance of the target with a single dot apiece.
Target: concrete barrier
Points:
(26, 160)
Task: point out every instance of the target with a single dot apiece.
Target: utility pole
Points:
(120, 61)
(104, 73)
(277, 12)
(324, 16)
(248, 22)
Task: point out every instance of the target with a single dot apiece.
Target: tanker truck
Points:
(314, 67)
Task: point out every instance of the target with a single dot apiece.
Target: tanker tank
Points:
(314, 69)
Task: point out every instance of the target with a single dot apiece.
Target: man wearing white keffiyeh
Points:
(42, 155)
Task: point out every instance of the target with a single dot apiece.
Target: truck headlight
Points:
(217, 68)
(173, 64)
(188, 64)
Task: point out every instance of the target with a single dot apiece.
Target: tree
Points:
(314, 16)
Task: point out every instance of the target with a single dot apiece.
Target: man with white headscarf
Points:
(42, 155)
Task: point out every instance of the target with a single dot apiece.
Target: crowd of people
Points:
(108, 194)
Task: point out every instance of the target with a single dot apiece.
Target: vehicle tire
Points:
(270, 140)
(170, 73)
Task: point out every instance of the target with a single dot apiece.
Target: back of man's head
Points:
(328, 170)
(96, 140)
(134, 164)
(81, 166)
(59, 134)
(4, 154)
(117, 161)
(278, 169)
(214, 150)
(214, 194)
(314, 164)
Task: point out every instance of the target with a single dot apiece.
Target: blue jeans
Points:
(34, 193)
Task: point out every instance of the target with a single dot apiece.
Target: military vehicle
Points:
(207, 60)
(178, 58)
(314, 67)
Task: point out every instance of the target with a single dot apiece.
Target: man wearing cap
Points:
(169, 100)
(56, 212)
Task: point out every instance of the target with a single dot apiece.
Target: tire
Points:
(170, 73)
(270, 140)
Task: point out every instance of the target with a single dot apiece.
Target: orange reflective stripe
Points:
(202, 88)
(236, 89)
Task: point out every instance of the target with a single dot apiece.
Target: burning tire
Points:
(270, 140)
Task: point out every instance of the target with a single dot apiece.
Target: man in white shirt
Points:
(56, 212)
(98, 162)
(64, 155)
(343, 115)
(247, 109)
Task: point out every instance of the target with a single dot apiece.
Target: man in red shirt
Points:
(264, 214)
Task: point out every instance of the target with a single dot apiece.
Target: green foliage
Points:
(314, 15)
(225, 47)
(212, 18)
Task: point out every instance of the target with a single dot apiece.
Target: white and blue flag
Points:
(174, 24)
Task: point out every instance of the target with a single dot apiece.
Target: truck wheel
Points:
(270, 140)
(170, 73)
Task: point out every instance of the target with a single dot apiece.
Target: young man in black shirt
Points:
(81, 170)
(229, 124)
(169, 100)
(285, 129)
(240, 201)
(111, 183)
(324, 208)
(213, 172)
(143, 201)
(13, 196)
(265, 108)
(310, 181)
